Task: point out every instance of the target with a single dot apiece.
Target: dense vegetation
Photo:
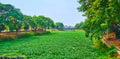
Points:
(102, 16)
(59, 25)
(79, 25)
(57, 45)
(12, 19)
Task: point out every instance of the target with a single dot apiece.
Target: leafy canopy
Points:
(102, 16)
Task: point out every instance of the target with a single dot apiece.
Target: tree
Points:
(10, 23)
(2, 25)
(26, 22)
(79, 25)
(102, 16)
(33, 23)
(14, 19)
(18, 18)
(59, 26)
(49, 22)
(10, 12)
(4, 9)
(44, 22)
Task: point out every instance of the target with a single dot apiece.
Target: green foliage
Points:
(2, 27)
(26, 23)
(11, 26)
(101, 16)
(112, 51)
(105, 57)
(99, 44)
(26, 27)
(7, 38)
(42, 33)
(57, 45)
(25, 35)
(14, 19)
(79, 25)
(59, 25)
(103, 50)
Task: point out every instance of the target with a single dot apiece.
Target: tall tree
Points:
(4, 9)
(44, 22)
(26, 22)
(59, 25)
(14, 19)
(102, 16)
(10, 12)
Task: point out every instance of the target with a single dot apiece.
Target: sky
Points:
(64, 11)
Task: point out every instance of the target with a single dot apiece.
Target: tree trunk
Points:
(17, 31)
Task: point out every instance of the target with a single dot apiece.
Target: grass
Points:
(57, 45)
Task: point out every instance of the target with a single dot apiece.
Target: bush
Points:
(47, 32)
(25, 35)
(41, 33)
(6, 38)
(104, 51)
(112, 51)
(36, 33)
(99, 44)
(105, 57)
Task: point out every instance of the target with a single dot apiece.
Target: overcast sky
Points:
(58, 10)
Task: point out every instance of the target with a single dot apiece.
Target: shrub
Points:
(6, 38)
(99, 44)
(112, 51)
(106, 52)
(103, 57)
(41, 33)
(36, 33)
(25, 35)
